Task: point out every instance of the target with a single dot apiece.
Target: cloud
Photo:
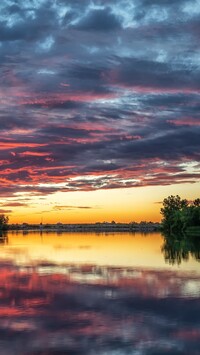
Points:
(14, 204)
(99, 20)
(5, 211)
(60, 208)
(149, 75)
(98, 95)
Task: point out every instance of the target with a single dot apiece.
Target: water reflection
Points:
(73, 307)
(3, 238)
(177, 249)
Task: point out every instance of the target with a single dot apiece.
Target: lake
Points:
(102, 294)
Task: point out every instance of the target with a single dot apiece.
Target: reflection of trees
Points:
(179, 248)
(3, 238)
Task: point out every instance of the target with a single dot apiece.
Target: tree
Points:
(196, 202)
(179, 215)
(172, 206)
(3, 222)
(193, 215)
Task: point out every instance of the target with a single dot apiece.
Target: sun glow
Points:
(120, 205)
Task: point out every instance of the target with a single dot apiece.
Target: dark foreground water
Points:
(85, 294)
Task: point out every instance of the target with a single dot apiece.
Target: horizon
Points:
(99, 109)
(94, 223)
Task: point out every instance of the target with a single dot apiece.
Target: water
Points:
(86, 294)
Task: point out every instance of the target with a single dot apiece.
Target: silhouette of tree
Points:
(3, 222)
(196, 202)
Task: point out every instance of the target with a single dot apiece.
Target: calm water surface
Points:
(106, 294)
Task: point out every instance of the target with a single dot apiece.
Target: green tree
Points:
(180, 216)
(173, 219)
(3, 222)
(193, 215)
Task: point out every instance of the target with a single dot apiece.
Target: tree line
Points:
(180, 215)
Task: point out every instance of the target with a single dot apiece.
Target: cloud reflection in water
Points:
(89, 309)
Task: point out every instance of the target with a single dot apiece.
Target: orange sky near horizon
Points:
(120, 205)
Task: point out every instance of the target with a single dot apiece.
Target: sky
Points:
(99, 108)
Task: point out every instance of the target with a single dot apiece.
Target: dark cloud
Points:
(67, 105)
(153, 75)
(5, 211)
(68, 132)
(25, 27)
(60, 208)
(14, 204)
(163, 3)
(99, 20)
(98, 95)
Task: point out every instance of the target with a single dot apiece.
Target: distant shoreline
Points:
(88, 227)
